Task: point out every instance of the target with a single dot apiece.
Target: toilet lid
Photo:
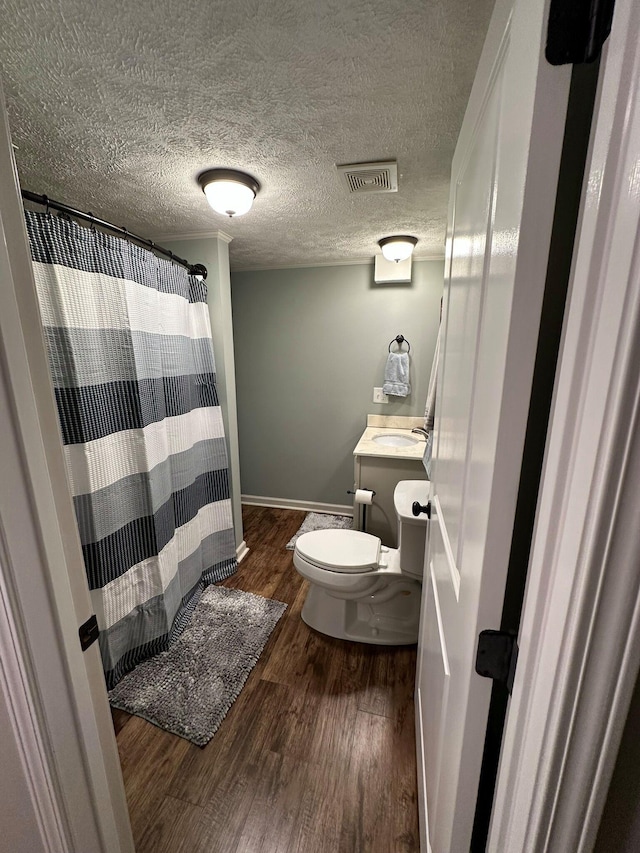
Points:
(340, 550)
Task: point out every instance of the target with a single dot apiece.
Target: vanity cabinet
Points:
(382, 473)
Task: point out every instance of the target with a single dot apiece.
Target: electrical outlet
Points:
(379, 396)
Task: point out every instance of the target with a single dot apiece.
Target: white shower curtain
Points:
(129, 343)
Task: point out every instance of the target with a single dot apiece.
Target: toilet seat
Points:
(343, 551)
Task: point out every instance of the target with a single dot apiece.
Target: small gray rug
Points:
(189, 688)
(320, 521)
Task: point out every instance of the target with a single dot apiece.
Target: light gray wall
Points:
(213, 252)
(310, 345)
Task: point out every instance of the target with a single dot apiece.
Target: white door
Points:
(501, 208)
(580, 634)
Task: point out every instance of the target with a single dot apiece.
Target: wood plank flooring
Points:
(317, 754)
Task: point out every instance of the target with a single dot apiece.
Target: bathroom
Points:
(301, 334)
(319, 750)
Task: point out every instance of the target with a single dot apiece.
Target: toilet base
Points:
(389, 617)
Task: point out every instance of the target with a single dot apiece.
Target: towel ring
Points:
(400, 339)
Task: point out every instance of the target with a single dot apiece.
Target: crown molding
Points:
(351, 262)
(438, 257)
(343, 263)
(196, 235)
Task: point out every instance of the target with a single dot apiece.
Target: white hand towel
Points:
(396, 375)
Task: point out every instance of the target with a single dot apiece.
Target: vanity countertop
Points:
(366, 446)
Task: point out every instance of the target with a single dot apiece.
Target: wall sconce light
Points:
(397, 248)
(228, 191)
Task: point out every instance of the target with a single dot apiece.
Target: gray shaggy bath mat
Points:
(189, 688)
(320, 521)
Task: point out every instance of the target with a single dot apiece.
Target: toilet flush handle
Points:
(417, 508)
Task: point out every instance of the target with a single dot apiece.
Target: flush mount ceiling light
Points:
(397, 248)
(228, 191)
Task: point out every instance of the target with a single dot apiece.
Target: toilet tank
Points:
(412, 530)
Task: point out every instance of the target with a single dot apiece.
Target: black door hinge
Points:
(88, 633)
(497, 656)
(577, 30)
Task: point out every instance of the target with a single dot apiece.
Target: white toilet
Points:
(360, 589)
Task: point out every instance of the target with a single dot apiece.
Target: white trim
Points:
(196, 235)
(307, 506)
(423, 826)
(52, 598)
(300, 266)
(241, 551)
(40, 649)
(15, 674)
(454, 572)
(368, 261)
(213, 235)
(580, 634)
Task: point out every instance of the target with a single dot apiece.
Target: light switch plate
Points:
(379, 396)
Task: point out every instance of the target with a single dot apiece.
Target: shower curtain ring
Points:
(46, 205)
(92, 224)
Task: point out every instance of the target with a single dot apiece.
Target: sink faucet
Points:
(421, 431)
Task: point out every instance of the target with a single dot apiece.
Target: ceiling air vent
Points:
(371, 177)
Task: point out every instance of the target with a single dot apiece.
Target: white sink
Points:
(395, 440)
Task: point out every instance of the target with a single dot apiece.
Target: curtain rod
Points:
(45, 201)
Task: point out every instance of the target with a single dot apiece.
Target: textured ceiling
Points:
(116, 107)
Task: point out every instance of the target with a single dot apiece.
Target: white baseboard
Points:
(241, 551)
(307, 506)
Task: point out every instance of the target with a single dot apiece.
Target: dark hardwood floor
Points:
(316, 754)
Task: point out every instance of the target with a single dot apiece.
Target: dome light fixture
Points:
(397, 248)
(229, 191)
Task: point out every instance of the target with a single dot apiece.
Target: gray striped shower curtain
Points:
(129, 344)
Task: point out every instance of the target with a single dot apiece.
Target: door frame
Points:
(580, 636)
(57, 694)
(580, 632)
